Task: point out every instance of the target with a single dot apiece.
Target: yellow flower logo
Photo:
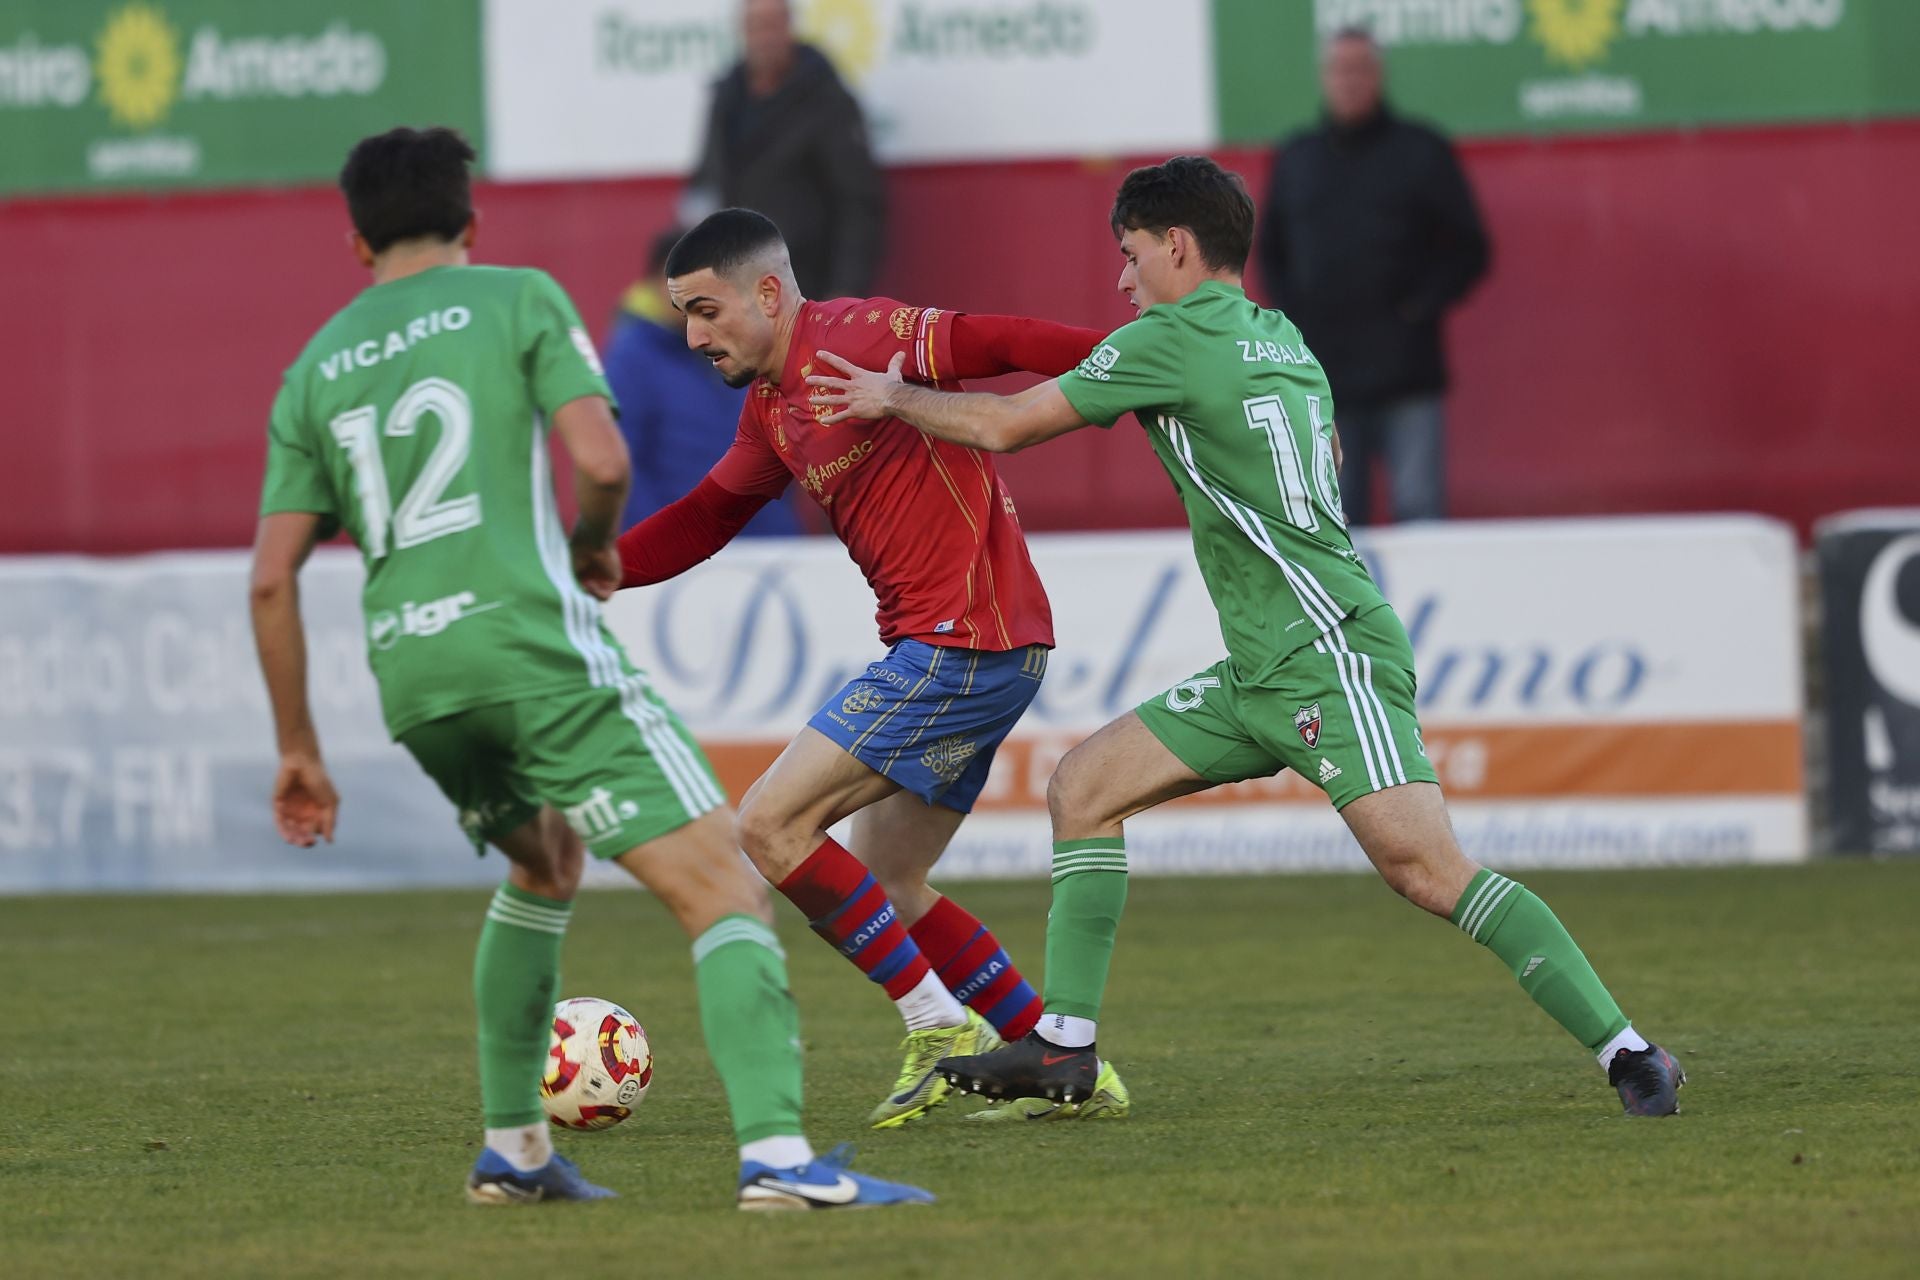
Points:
(1575, 32)
(848, 31)
(138, 65)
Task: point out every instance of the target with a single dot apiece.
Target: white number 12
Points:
(423, 514)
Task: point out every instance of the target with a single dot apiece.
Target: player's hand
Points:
(598, 570)
(861, 393)
(304, 801)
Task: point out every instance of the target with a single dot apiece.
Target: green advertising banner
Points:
(157, 93)
(1544, 66)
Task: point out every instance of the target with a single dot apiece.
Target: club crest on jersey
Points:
(860, 701)
(901, 321)
(1307, 721)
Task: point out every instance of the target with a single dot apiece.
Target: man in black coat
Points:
(1370, 235)
(785, 138)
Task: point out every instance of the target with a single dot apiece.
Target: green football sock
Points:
(751, 1024)
(1089, 893)
(1503, 916)
(516, 976)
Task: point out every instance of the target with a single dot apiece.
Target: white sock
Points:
(1066, 1030)
(1628, 1039)
(785, 1152)
(526, 1148)
(931, 1005)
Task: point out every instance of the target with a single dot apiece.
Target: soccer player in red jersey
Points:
(905, 747)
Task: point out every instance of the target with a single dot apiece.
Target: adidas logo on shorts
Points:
(1328, 770)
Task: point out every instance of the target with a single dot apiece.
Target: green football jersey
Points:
(1240, 414)
(417, 420)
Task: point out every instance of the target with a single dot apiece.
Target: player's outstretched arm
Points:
(988, 346)
(601, 473)
(685, 532)
(304, 801)
(997, 424)
(681, 534)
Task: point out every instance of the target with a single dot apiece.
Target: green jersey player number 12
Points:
(425, 513)
(418, 421)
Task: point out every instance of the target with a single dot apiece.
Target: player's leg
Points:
(783, 828)
(814, 784)
(746, 1011)
(1360, 683)
(636, 788)
(748, 1016)
(941, 753)
(925, 719)
(900, 839)
(1186, 740)
(516, 966)
(516, 976)
(915, 736)
(1406, 835)
(1122, 770)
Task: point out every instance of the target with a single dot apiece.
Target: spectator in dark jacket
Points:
(785, 138)
(1370, 235)
(677, 414)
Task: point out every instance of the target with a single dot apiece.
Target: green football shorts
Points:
(1338, 712)
(617, 764)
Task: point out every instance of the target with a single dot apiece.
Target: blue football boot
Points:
(824, 1182)
(495, 1182)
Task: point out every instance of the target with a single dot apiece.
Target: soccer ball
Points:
(598, 1065)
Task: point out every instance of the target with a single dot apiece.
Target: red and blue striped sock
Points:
(976, 968)
(845, 905)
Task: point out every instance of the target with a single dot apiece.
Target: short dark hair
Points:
(661, 250)
(405, 184)
(1195, 193)
(723, 241)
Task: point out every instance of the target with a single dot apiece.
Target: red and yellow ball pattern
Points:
(599, 1064)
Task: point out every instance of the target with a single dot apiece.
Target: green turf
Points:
(1325, 1083)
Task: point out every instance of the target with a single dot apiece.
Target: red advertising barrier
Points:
(1676, 321)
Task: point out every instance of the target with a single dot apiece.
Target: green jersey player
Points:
(417, 420)
(1319, 674)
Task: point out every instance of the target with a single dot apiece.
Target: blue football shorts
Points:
(930, 717)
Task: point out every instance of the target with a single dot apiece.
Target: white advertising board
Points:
(135, 748)
(1607, 692)
(1593, 692)
(583, 88)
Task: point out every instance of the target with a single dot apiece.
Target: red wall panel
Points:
(1675, 322)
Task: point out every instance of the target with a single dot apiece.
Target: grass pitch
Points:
(1325, 1083)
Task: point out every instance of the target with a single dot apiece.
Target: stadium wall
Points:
(1676, 321)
